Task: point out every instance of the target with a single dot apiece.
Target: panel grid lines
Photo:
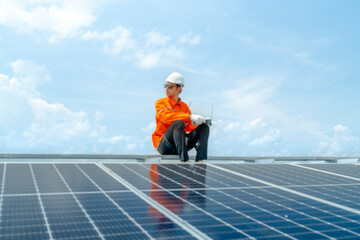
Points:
(333, 196)
(41, 203)
(277, 215)
(117, 205)
(327, 172)
(238, 212)
(179, 201)
(207, 213)
(295, 192)
(339, 227)
(178, 189)
(78, 202)
(196, 233)
(306, 206)
(2, 191)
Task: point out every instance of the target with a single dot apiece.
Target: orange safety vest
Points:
(168, 111)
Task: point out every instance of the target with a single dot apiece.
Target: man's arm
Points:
(167, 115)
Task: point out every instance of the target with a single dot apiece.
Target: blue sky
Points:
(83, 76)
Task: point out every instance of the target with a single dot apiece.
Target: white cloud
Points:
(167, 56)
(245, 126)
(15, 92)
(342, 143)
(251, 96)
(43, 122)
(98, 116)
(28, 122)
(245, 138)
(153, 50)
(122, 42)
(246, 105)
(60, 18)
(254, 123)
(255, 98)
(124, 144)
(115, 139)
(149, 128)
(131, 146)
(114, 33)
(155, 38)
(190, 39)
(54, 123)
(117, 39)
(29, 74)
(13, 103)
(194, 71)
(148, 60)
(270, 137)
(340, 128)
(323, 144)
(233, 126)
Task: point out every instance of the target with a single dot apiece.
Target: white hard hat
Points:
(176, 78)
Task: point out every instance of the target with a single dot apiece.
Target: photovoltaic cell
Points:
(230, 180)
(76, 180)
(169, 201)
(345, 195)
(125, 173)
(282, 174)
(18, 179)
(336, 189)
(21, 218)
(47, 179)
(110, 221)
(104, 180)
(1, 176)
(260, 214)
(350, 170)
(66, 218)
(155, 223)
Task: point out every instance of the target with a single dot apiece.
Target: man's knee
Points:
(179, 124)
(204, 128)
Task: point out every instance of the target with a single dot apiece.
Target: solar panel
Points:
(179, 201)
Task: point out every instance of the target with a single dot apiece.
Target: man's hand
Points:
(197, 119)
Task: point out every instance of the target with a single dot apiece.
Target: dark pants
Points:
(176, 142)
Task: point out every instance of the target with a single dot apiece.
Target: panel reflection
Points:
(172, 187)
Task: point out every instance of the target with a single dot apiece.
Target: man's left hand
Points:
(197, 119)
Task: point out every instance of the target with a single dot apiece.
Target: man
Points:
(177, 130)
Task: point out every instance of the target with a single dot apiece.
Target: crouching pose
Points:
(177, 130)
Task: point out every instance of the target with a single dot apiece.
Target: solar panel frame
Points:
(217, 201)
(263, 210)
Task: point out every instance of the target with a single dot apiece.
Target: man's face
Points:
(174, 91)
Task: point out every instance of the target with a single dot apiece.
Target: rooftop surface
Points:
(160, 198)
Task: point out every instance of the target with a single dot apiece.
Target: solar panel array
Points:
(179, 201)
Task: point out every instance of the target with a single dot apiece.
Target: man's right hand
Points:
(197, 119)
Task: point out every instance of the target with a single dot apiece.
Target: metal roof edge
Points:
(246, 159)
